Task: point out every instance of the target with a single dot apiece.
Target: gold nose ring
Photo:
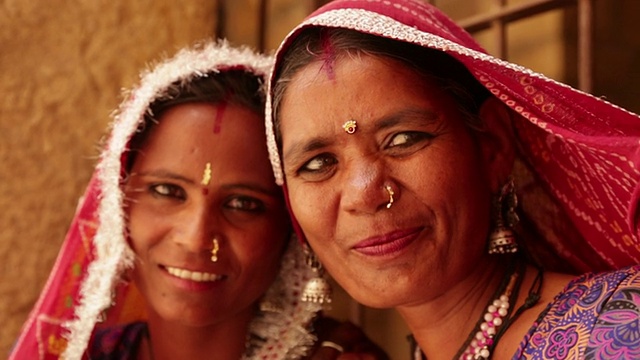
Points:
(391, 193)
(214, 250)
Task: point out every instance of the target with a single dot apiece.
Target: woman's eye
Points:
(245, 204)
(168, 190)
(406, 139)
(319, 163)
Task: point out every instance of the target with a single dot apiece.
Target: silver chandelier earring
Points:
(502, 239)
(317, 290)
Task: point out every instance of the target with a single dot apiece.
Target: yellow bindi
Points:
(206, 175)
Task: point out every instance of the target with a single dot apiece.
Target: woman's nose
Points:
(363, 186)
(197, 231)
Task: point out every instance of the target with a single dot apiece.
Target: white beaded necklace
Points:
(479, 347)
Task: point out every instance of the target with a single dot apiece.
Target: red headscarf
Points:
(578, 156)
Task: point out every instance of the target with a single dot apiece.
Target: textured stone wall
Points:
(62, 65)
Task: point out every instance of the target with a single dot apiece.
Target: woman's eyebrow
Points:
(254, 187)
(299, 149)
(409, 115)
(165, 174)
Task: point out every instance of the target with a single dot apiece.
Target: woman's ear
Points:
(496, 141)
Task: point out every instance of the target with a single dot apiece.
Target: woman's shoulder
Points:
(591, 289)
(117, 342)
(596, 315)
(626, 275)
(616, 331)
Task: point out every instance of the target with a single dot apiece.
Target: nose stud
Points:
(391, 193)
(214, 250)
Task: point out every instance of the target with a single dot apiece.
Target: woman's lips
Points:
(388, 243)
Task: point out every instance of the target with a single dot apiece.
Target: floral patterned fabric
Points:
(597, 316)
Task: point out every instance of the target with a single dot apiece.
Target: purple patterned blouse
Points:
(597, 316)
(119, 342)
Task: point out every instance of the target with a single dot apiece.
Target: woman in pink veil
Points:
(496, 209)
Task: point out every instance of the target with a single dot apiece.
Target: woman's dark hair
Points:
(331, 44)
(237, 86)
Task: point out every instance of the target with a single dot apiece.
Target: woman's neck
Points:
(176, 341)
(442, 326)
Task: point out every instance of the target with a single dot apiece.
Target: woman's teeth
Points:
(193, 275)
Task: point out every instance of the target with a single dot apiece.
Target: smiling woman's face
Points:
(174, 214)
(410, 136)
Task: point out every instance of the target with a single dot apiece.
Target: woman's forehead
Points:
(355, 88)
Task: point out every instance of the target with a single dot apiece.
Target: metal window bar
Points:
(496, 20)
(504, 14)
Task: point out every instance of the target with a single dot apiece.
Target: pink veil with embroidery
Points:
(578, 165)
(86, 290)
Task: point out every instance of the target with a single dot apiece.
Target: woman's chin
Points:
(379, 298)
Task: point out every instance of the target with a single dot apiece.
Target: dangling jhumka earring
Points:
(317, 290)
(502, 239)
(214, 250)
